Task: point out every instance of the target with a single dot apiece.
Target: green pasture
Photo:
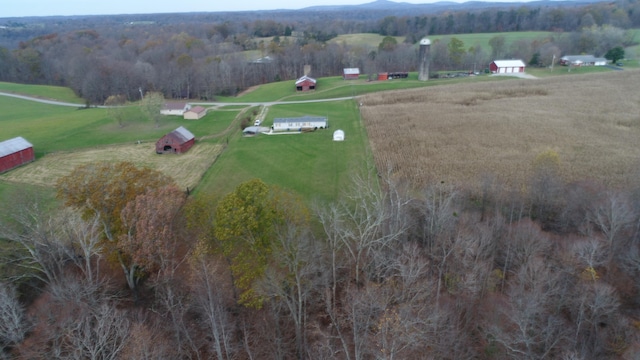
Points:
(309, 164)
(53, 128)
(43, 91)
(367, 40)
(336, 87)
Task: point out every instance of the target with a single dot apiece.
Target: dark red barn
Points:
(15, 152)
(178, 141)
(306, 83)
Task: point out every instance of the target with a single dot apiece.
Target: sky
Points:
(20, 8)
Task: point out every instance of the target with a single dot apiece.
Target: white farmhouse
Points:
(300, 123)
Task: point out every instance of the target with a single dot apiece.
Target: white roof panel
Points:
(509, 63)
(13, 145)
(186, 134)
(351, 71)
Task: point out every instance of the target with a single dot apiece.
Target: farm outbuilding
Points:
(195, 113)
(300, 123)
(338, 135)
(305, 83)
(177, 108)
(507, 66)
(178, 141)
(15, 152)
(351, 73)
(582, 60)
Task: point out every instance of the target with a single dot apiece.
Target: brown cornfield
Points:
(460, 133)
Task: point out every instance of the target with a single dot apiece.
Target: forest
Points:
(200, 56)
(131, 268)
(121, 263)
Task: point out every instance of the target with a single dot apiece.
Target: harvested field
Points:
(186, 169)
(460, 133)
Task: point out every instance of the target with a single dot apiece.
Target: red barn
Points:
(15, 152)
(305, 83)
(507, 66)
(178, 141)
(351, 73)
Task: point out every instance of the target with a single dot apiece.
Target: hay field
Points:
(186, 169)
(462, 132)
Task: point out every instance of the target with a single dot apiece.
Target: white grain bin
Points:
(338, 135)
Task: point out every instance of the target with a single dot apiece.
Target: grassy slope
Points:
(55, 128)
(372, 40)
(42, 91)
(310, 164)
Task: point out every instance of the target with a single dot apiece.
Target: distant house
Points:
(176, 108)
(582, 60)
(305, 83)
(351, 73)
(178, 141)
(195, 113)
(507, 66)
(15, 152)
(300, 123)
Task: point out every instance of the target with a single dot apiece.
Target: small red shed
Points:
(351, 73)
(305, 83)
(178, 141)
(15, 152)
(507, 66)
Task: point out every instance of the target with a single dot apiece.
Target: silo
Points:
(425, 49)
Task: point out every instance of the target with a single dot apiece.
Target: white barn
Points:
(300, 123)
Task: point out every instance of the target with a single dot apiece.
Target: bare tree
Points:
(612, 215)
(13, 320)
(99, 334)
(208, 299)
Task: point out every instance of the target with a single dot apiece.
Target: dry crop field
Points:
(463, 132)
(186, 169)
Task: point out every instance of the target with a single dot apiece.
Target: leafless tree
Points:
(612, 215)
(99, 334)
(208, 299)
(13, 320)
(292, 279)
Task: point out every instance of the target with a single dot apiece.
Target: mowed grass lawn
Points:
(309, 164)
(42, 91)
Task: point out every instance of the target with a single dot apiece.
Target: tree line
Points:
(200, 56)
(132, 267)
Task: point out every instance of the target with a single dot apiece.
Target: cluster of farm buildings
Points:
(18, 151)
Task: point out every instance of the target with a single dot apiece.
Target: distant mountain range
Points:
(401, 7)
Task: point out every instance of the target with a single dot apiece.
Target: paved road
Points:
(267, 103)
(44, 101)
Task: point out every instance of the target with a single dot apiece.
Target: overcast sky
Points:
(18, 8)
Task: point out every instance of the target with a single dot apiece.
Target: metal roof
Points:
(197, 109)
(583, 58)
(299, 119)
(184, 134)
(509, 63)
(14, 145)
(305, 77)
(351, 71)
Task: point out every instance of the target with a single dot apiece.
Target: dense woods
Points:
(389, 271)
(125, 265)
(199, 56)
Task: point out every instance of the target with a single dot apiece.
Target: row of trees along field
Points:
(204, 55)
(130, 267)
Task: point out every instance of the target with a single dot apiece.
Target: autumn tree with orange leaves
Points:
(103, 190)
